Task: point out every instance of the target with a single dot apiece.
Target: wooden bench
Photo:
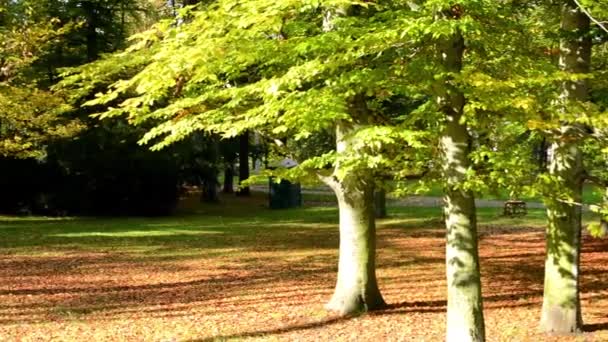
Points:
(515, 208)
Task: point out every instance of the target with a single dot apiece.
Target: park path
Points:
(430, 201)
(411, 201)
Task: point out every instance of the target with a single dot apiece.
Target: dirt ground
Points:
(263, 287)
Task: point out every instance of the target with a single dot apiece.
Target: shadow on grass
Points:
(435, 306)
(266, 230)
(595, 327)
(276, 331)
(251, 274)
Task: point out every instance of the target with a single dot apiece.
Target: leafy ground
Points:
(245, 272)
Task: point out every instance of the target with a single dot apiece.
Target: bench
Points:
(515, 208)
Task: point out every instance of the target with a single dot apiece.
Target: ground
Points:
(233, 273)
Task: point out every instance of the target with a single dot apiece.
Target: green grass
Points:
(591, 194)
(213, 228)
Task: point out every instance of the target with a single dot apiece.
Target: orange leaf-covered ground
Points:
(256, 274)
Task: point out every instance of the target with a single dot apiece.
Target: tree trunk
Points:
(561, 312)
(603, 222)
(91, 30)
(208, 173)
(228, 179)
(209, 187)
(380, 203)
(356, 287)
(465, 320)
(256, 161)
(243, 163)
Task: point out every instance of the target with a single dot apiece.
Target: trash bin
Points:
(284, 194)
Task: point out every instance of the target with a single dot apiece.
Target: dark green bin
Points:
(284, 195)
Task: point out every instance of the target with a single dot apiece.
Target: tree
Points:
(287, 75)
(229, 151)
(243, 163)
(356, 286)
(380, 203)
(30, 115)
(556, 107)
(465, 310)
(36, 39)
(561, 311)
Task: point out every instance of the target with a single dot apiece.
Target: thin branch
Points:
(596, 180)
(597, 22)
(578, 204)
(416, 176)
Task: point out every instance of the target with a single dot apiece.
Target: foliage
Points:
(29, 115)
(30, 120)
(280, 73)
(82, 166)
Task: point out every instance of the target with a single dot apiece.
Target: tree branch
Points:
(328, 180)
(595, 179)
(417, 176)
(597, 22)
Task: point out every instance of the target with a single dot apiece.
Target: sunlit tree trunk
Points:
(561, 311)
(356, 286)
(465, 320)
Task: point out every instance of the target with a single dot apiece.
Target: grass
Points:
(321, 193)
(239, 271)
(591, 194)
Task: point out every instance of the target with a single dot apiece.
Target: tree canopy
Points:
(476, 95)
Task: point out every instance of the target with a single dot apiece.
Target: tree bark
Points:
(91, 30)
(209, 188)
(356, 286)
(561, 311)
(465, 320)
(209, 171)
(243, 163)
(380, 203)
(228, 179)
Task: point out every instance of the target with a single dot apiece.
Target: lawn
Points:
(322, 193)
(239, 271)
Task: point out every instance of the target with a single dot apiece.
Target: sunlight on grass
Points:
(4, 218)
(138, 233)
